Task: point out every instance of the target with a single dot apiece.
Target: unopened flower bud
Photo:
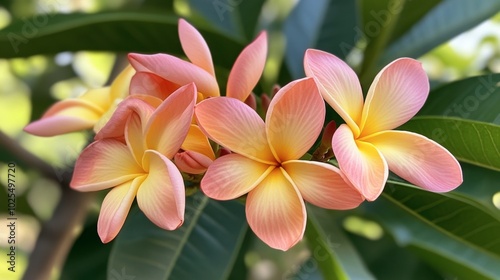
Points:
(192, 162)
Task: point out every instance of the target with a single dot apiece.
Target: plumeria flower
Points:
(90, 110)
(161, 74)
(366, 146)
(138, 162)
(266, 164)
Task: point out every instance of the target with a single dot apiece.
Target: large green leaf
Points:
(469, 141)
(145, 32)
(331, 249)
(205, 247)
(474, 98)
(236, 18)
(451, 231)
(446, 20)
(326, 25)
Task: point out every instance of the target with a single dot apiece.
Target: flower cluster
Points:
(172, 120)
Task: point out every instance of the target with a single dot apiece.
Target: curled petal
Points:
(151, 84)
(276, 212)
(104, 164)
(64, 117)
(115, 208)
(142, 105)
(176, 70)
(192, 162)
(234, 125)
(198, 142)
(419, 160)
(248, 68)
(161, 196)
(361, 162)
(232, 176)
(168, 126)
(338, 84)
(295, 119)
(195, 47)
(322, 185)
(395, 96)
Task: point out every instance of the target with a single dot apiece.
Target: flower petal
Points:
(192, 162)
(64, 117)
(234, 125)
(161, 196)
(104, 164)
(99, 98)
(294, 119)
(419, 160)
(121, 84)
(395, 96)
(247, 68)
(115, 208)
(115, 127)
(322, 185)
(232, 176)
(176, 70)
(134, 137)
(338, 84)
(276, 212)
(361, 162)
(168, 126)
(195, 47)
(151, 84)
(198, 142)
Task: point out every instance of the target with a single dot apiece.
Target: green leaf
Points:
(474, 98)
(211, 228)
(326, 25)
(451, 231)
(138, 31)
(469, 141)
(237, 18)
(446, 20)
(331, 249)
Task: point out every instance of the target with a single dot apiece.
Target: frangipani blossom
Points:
(266, 164)
(366, 147)
(90, 110)
(139, 163)
(164, 73)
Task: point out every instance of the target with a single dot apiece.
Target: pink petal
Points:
(361, 162)
(196, 141)
(115, 127)
(234, 125)
(168, 126)
(134, 137)
(121, 84)
(161, 196)
(195, 47)
(395, 96)
(232, 176)
(338, 84)
(151, 84)
(419, 160)
(176, 70)
(115, 208)
(104, 164)
(192, 162)
(64, 117)
(294, 119)
(322, 185)
(276, 212)
(248, 68)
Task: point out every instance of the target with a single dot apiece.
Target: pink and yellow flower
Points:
(132, 155)
(266, 164)
(366, 146)
(90, 110)
(161, 74)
